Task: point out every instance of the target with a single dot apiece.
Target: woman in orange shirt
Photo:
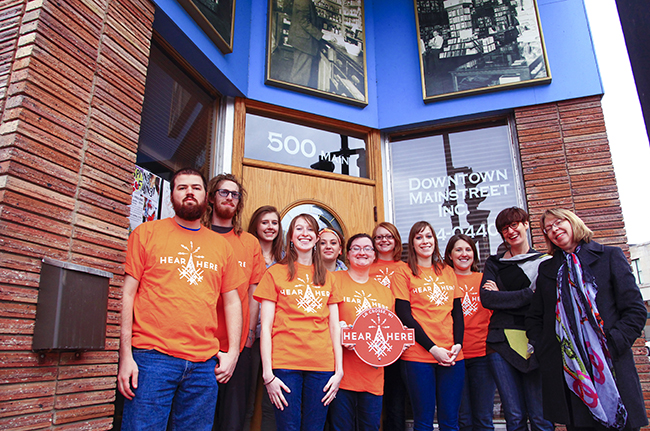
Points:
(266, 226)
(358, 404)
(477, 405)
(300, 342)
(388, 243)
(429, 301)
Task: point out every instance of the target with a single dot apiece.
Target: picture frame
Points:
(322, 53)
(216, 18)
(473, 46)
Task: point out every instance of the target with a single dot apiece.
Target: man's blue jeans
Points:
(305, 411)
(477, 405)
(164, 380)
(521, 395)
(429, 385)
(352, 410)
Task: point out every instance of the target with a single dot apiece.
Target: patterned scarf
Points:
(587, 362)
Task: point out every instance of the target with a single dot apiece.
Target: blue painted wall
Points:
(394, 86)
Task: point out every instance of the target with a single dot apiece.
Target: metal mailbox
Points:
(72, 307)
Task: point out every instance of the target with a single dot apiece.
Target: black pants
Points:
(232, 401)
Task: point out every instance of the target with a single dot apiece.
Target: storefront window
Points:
(177, 119)
(175, 132)
(456, 181)
(291, 144)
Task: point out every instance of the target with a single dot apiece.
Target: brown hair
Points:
(509, 216)
(450, 247)
(291, 255)
(412, 259)
(277, 245)
(356, 237)
(213, 186)
(580, 230)
(397, 251)
(186, 171)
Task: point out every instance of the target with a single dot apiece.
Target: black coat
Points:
(624, 314)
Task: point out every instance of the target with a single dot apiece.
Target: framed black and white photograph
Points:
(318, 47)
(469, 46)
(216, 18)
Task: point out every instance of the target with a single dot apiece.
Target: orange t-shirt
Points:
(432, 299)
(475, 316)
(301, 334)
(182, 273)
(248, 254)
(357, 375)
(384, 271)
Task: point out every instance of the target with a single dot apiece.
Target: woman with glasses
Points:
(507, 288)
(477, 405)
(427, 299)
(300, 341)
(388, 244)
(330, 245)
(584, 318)
(358, 403)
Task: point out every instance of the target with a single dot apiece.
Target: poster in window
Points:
(145, 197)
(469, 46)
(318, 47)
(166, 208)
(216, 18)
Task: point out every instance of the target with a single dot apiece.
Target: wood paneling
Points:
(352, 202)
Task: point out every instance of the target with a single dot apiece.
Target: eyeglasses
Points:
(387, 237)
(224, 194)
(358, 248)
(514, 225)
(555, 224)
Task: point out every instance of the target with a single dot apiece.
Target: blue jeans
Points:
(477, 405)
(521, 395)
(163, 379)
(305, 411)
(352, 410)
(429, 385)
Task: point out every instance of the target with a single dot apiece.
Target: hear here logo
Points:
(378, 337)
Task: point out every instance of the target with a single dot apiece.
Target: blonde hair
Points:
(581, 233)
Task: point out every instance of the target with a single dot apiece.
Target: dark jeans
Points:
(477, 405)
(394, 398)
(305, 411)
(163, 380)
(352, 410)
(430, 385)
(521, 395)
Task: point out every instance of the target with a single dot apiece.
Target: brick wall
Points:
(566, 163)
(72, 75)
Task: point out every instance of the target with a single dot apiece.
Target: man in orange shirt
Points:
(176, 270)
(226, 202)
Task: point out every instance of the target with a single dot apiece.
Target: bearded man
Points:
(176, 272)
(226, 202)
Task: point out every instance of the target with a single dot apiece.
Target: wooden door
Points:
(356, 202)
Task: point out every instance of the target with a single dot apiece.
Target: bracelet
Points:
(269, 382)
